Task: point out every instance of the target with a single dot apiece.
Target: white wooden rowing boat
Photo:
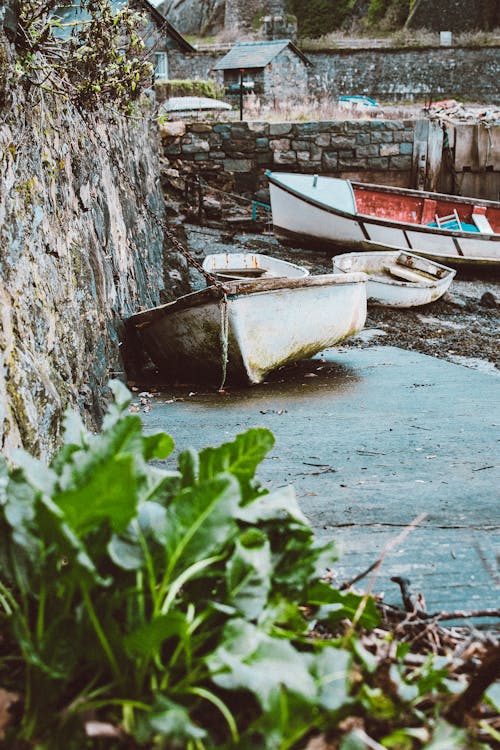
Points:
(311, 209)
(397, 278)
(230, 266)
(251, 328)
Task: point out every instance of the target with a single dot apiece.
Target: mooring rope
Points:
(224, 337)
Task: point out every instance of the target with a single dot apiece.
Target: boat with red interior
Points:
(346, 215)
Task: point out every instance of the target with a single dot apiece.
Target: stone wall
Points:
(234, 156)
(389, 75)
(393, 75)
(77, 254)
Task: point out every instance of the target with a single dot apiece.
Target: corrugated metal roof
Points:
(245, 55)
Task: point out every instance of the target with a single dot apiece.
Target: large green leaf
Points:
(172, 720)
(248, 574)
(331, 668)
(273, 506)
(146, 640)
(108, 494)
(200, 521)
(248, 659)
(240, 458)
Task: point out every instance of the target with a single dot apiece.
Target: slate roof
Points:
(245, 55)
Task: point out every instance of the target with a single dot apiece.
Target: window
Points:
(161, 65)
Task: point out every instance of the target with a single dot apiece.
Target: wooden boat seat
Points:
(247, 273)
(407, 274)
(481, 222)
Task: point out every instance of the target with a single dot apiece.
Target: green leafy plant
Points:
(94, 59)
(186, 608)
(154, 598)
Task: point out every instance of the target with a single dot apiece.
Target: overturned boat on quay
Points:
(242, 330)
(344, 215)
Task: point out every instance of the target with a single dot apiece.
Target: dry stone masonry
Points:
(234, 156)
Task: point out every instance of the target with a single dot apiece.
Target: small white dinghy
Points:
(245, 329)
(231, 266)
(397, 278)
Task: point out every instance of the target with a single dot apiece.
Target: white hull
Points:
(397, 279)
(304, 215)
(230, 266)
(268, 322)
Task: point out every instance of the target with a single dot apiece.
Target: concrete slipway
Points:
(371, 438)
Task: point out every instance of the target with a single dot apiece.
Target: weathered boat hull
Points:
(252, 329)
(307, 210)
(420, 282)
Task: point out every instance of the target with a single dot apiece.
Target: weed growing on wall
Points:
(92, 58)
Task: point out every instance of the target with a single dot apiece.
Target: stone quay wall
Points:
(78, 253)
(235, 156)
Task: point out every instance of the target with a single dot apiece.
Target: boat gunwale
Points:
(404, 225)
(242, 288)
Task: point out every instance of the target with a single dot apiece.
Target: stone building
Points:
(273, 70)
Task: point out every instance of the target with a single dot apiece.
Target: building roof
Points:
(245, 55)
(73, 12)
(160, 18)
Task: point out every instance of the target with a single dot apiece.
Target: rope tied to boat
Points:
(224, 338)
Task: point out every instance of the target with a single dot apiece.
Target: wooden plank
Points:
(419, 165)
(434, 155)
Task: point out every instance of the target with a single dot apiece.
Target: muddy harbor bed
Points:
(375, 432)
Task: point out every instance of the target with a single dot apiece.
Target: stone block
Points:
(382, 136)
(172, 129)
(389, 149)
(259, 127)
(340, 142)
(401, 163)
(285, 157)
(280, 144)
(280, 128)
(195, 146)
(380, 162)
(237, 165)
(329, 161)
(406, 149)
(362, 139)
(172, 149)
(364, 151)
(261, 144)
(323, 139)
(200, 127)
(399, 136)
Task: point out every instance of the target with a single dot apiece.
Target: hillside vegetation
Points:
(319, 17)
